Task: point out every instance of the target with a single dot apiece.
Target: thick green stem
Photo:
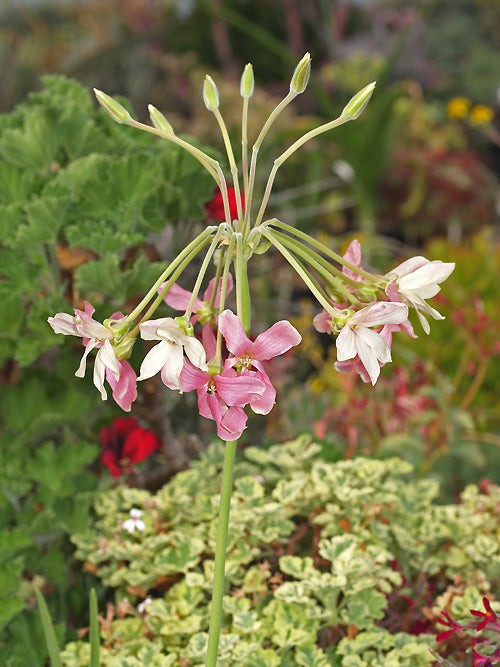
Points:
(220, 554)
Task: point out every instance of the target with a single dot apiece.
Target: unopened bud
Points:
(300, 77)
(159, 120)
(114, 108)
(210, 94)
(247, 82)
(355, 107)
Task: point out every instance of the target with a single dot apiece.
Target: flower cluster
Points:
(365, 334)
(221, 362)
(485, 650)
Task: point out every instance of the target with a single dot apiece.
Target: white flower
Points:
(142, 606)
(418, 279)
(135, 522)
(357, 339)
(168, 356)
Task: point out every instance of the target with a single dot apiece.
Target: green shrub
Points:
(322, 561)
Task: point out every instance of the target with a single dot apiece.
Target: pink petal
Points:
(353, 255)
(275, 341)
(125, 388)
(179, 298)
(210, 290)
(209, 341)
(231, 328)
(323, 322)
(238, 390)
(263, 404)
(192, 378)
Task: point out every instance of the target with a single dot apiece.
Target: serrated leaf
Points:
(45, 218)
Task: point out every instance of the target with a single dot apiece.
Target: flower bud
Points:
(159, 120)
(247, 82)
(355, 107)
(114, 108)
(300, 77)
(210, 94)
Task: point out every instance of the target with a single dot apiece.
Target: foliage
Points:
(79, 201)
(328, 563)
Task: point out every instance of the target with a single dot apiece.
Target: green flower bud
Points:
(159, 120)
(355, 107)
(300, 77)
(210, 94)
(247, 82)
(114, 108)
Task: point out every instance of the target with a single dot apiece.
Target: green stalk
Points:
(223, 290)
(321, 265)
(322, 247)
(94, 630)
(220, 554)
(182, 258)
(326, 303)
(243, 305)
(290, 151)
(232, 164)
(255, 151)
(203, 270)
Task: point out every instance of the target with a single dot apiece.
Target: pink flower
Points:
(222, 397)
(357, 339)
(416, 280)
(118, 373)
(248, 355)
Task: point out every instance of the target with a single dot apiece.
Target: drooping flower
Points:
(357, 338)
(168, 355)
(215, 207)
(248, 354)
(416, 280)
(118, 373)
(135, 522)
(124, 443)
(222, 397)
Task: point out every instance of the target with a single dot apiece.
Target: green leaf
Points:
(9, 609)
(48, 630)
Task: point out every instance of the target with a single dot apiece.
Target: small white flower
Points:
(418, 279)
(168, 356)
(357, 339)
(135, 522)
(142, 606)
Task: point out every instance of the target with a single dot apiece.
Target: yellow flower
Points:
(481, 115)
(458, 107)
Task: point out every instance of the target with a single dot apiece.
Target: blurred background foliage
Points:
(81, 197)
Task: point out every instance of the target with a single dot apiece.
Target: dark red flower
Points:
(215, 207)
(125, 443)
(487, 617)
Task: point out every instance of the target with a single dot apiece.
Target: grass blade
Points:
(48, 630)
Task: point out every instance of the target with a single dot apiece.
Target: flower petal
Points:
(275, 341)
(154, 360)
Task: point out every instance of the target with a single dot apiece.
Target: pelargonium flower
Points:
(416, 280)
(353, 255)
(168, 355)
(222, 397)
(215, 207)
(118, 373)
(357, 339)
(124, 443)
(248, 355)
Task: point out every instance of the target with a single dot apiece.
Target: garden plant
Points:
(306, 602)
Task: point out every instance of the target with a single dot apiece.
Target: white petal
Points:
(99, 374)
(154, 360)
(346, 344)
(196, 353)
(369, 360)
(83, 363)
(375, 342)
(379, 313)
(171, 371)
